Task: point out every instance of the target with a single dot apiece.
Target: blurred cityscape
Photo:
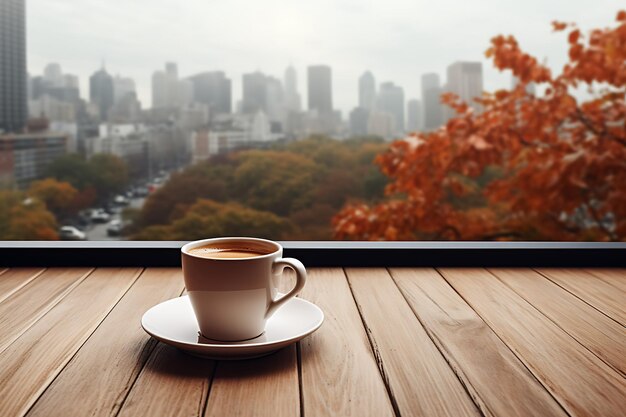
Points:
(190, 119)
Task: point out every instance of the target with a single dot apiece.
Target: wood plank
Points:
(15, 278)
(116, 360)
(31, 362)
(340, 376)
(583, 384)
(594, 330)
(597, 293)
(171, 384)
(419, 378)
(35, 299)
(614, 276)
(265, 386)
(497, 381)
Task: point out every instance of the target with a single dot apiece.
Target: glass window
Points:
(334, 119)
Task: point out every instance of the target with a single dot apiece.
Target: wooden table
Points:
(453, 342)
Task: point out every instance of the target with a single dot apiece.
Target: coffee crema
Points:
(213, 252)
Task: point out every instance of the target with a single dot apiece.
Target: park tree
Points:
(279, 182)
(25, 218)
(549, 166)
(110, 174)
(208, 218)
(58, 196)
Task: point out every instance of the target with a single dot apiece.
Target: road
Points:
(98, 231)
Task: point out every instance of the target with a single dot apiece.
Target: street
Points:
(98, 231)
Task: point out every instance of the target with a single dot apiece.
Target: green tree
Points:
(110, 174)
(72, 168)
(274, 181)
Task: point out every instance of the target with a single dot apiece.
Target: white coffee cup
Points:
(232, 297)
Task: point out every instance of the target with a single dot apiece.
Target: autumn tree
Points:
(58, 196)
(25, 218)
(208, 218)
(549, 166)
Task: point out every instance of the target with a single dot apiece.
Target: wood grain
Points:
(340, 376)
(171, 384)
(598, 293)
(582, 383)
(15, 278)
(613, 276)
(35, 299)
(488, 369)
(600, 334)
(31, 362)
(265, 386)
(116, 360)
(419, 379)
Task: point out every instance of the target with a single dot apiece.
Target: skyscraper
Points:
(465, 79)
(320, 89)
(414, 115)
(431, 92)
(292, 98)
(391, 101)
(101, 92)
(13, 101)
(254, 93)
(367, 91)
(166, 89)
(214, 90)
(122, 86)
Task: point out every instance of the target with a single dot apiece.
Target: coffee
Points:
(230, 282)
(213, 252)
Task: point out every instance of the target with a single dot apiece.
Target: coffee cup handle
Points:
(277, 268)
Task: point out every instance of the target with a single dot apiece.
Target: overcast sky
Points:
(398, 40)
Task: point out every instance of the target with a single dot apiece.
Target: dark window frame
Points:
(328, 253)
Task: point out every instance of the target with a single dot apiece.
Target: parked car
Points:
(141, 191)
(114, 228)
(71, 233)
(121, 200)
(100, 216)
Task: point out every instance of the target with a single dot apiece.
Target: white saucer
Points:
(173, 322)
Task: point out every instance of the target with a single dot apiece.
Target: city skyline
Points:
(397, 44)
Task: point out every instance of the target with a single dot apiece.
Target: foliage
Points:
(58, 196)
(24, 218)
(528, 167)
(104, 173)
(302, 182)
(210, 218)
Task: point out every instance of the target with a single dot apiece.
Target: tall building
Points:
(431, 101)
(320, 89)
(465, 79)
(166, 89)
(214, 90)
(122, 86)
(358, 121)
(292, 98)
(274, 100)
(391, 100)
(414, 116)
(254, 93)
(13, 76)
(101, 92)
(367, 91)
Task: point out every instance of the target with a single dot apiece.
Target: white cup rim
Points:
(193, 244)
